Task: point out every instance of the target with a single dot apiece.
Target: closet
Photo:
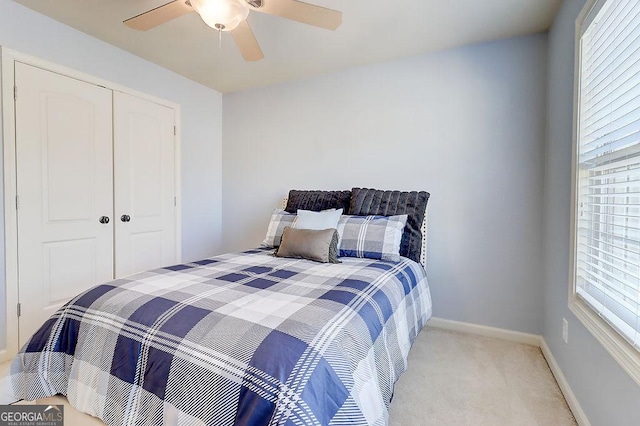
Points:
(95, 185)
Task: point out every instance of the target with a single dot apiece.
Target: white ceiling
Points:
(371, 31)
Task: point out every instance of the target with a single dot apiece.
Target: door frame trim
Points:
(9, 208)
(8, 120)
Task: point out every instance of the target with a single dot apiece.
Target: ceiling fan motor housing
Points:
(223, 15)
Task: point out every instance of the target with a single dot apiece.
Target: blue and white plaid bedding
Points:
(238, 339)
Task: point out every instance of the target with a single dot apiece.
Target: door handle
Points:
(125, 218)
(104, 219)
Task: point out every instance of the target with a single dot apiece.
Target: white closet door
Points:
(65, 185)
(144, 158)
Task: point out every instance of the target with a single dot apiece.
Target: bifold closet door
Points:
(144, 177)
(65, 191)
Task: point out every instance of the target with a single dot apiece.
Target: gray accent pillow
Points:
(312, 244)
(365, 202)
(317, 200)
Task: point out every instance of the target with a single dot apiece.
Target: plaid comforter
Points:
(238, 339)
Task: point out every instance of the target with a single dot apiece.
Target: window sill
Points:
(621, 350)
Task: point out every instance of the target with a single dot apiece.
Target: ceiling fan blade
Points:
(247, 42)
(159, 15)
(303, 12)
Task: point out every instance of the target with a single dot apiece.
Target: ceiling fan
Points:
(231, 15)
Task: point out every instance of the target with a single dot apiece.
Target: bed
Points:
(238, 339)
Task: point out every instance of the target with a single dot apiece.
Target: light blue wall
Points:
(607, 394)
(23, 30)
(466, 124)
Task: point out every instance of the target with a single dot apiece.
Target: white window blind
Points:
(608, 181)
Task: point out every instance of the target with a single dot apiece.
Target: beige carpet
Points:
(460, 379)
(455, 380)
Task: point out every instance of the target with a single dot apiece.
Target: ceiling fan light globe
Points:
(223, 15)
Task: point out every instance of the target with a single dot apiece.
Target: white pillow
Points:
(308, 219)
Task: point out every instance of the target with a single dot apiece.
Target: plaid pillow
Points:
(374, 237)
(388, 203)
(279, 220)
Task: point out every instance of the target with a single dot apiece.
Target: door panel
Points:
(64, 140)
(61, 283)
(64, 184)
(144, 173)
(145, 166)
(146, 250)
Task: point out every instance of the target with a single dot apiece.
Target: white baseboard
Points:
(572, 401)
(486, 331)
(527, 339)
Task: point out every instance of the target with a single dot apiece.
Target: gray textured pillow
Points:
(365, 202)
(311, 244)
(317, 200)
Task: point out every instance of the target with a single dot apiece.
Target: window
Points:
(606, 272)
